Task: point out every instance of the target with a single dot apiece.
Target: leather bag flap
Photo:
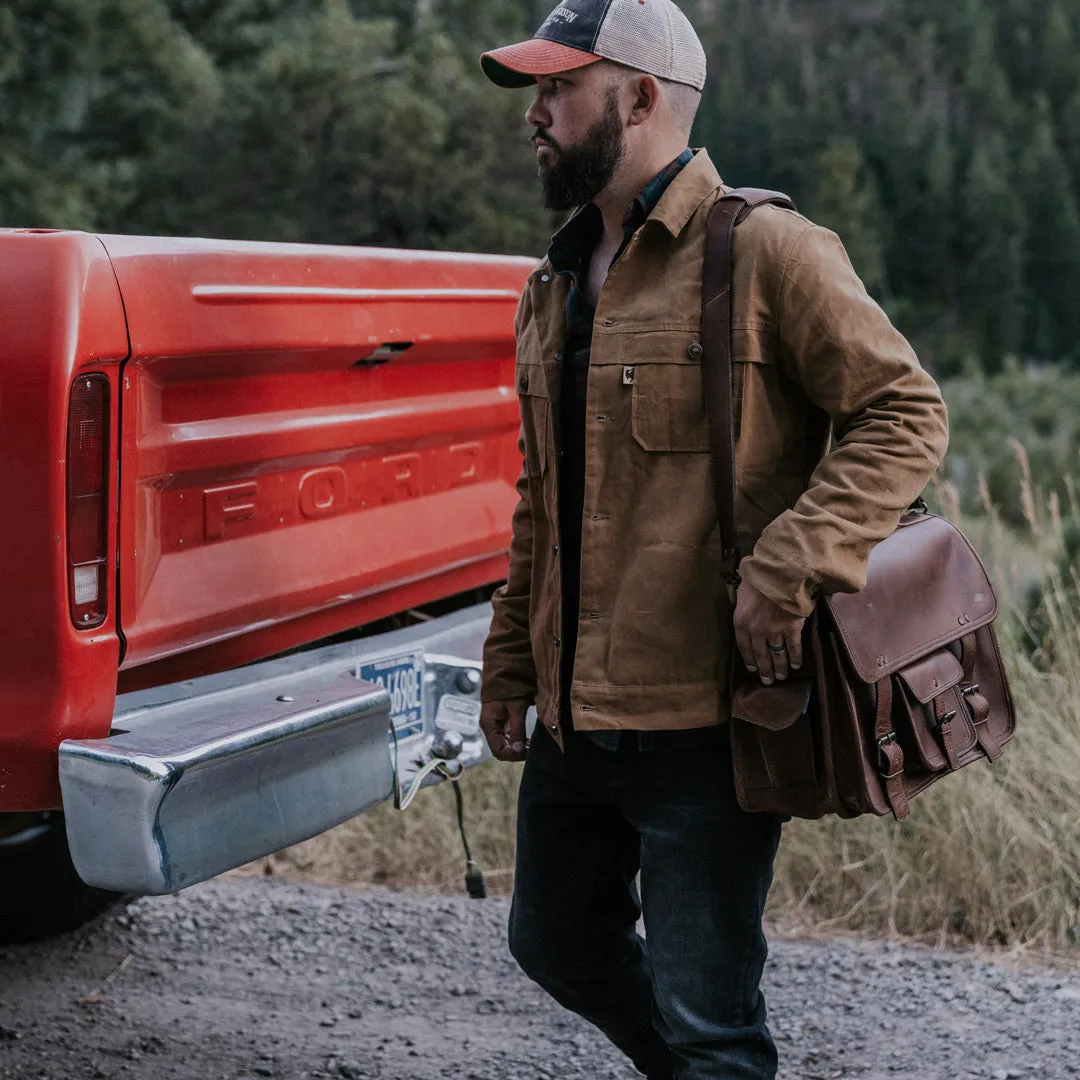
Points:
(925, 587)
(933, 675)
(775, 707)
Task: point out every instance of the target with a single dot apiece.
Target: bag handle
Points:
(730, 210)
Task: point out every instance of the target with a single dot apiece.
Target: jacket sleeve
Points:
(509, 670)
(889, 424)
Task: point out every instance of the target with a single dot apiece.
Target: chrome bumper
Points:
(202, 777)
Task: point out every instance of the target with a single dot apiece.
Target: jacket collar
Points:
(687, 192)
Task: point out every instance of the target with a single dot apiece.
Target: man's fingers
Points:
(764, 660)
(503, 725)
(769, 638)
(746, 650)
(494, 720)
(794, 647)
(778, 653)
(515, 731)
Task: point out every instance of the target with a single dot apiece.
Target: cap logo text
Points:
(561, 14)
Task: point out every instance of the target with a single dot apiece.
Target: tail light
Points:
(88, 499)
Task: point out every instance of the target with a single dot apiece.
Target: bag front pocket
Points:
(776, 749)
(933, 713)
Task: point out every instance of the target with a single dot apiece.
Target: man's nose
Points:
(537, 115)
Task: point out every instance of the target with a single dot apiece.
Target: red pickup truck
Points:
(257, 497)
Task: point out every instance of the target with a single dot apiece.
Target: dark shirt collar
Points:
(638, 211)
(575, 241)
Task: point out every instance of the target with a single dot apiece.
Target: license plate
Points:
(402, 677)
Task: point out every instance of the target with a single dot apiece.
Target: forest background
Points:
(941, 140)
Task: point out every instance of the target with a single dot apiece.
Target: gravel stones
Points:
(245, 977)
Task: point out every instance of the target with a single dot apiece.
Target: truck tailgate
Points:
(311, 438)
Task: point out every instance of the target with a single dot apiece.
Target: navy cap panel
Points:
(575, 23)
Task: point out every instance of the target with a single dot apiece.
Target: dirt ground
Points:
(246, 978)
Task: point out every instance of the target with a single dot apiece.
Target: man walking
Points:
(615, 620)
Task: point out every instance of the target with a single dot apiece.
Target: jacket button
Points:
(695, 352)
(545, 278)
(554, 549)
(558, 357)
(558, 643)
(523, 382)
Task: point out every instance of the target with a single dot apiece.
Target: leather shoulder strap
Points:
(730, 210)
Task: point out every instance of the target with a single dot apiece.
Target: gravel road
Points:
(246, 978)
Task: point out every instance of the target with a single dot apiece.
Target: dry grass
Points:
(990, 857)
(420, 847)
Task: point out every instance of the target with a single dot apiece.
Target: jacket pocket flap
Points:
(531, 380)
(932, 675)
(774, 708)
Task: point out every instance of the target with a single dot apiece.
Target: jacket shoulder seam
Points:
(788, 259)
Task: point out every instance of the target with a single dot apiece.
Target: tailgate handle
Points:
(387, 351)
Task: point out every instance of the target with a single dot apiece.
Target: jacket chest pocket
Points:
(535, 416)
(668, 407)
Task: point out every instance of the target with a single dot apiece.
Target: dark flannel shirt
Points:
(570, 254)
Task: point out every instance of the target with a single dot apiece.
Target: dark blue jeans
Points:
(688, 1004)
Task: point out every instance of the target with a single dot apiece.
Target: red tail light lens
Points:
(88, 498)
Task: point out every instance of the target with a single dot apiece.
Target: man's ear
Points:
(646, 98)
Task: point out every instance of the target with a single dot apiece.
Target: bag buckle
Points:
(939, 728)
(883, 757)
(968, 692)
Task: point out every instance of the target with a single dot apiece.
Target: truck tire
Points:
(41, 895)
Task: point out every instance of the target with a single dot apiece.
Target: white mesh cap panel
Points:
(688, 54)
(652, 36)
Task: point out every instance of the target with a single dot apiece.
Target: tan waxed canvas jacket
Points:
(814, 356)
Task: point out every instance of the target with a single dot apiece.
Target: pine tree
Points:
(45, 63)
(1059, 72)
(1069, 131)
(1053, 249)
(845, 201)
(995, 227)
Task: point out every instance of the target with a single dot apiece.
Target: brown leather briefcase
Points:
(904, 682)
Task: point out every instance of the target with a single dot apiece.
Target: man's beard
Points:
(581, 172)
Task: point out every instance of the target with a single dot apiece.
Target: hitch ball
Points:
(447, 745)
(468, 682)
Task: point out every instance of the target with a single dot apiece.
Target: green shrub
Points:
(989, 415)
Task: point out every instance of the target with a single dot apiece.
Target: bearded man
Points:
(615, 620)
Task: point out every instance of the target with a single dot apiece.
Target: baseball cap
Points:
(653, 36)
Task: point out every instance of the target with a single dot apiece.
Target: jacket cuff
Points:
(507, 675)
(781, 577)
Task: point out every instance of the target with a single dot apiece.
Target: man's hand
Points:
(769, 638)
(503, 724)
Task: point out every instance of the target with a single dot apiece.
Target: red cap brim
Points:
(516, 66)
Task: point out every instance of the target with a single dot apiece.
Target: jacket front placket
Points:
(603, 383)
(551, 325)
